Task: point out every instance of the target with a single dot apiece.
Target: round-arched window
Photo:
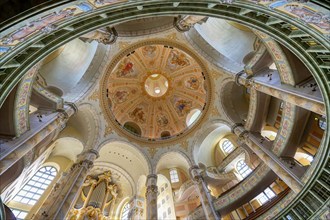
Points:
(192, 116)
(227, 146)
(125, 211)
(133, 128)
(174, 176)
(36, 186)
(242, 168)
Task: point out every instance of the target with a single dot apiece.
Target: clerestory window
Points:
(174, 176)
(227, 146)
(36, 186)
(243, 168)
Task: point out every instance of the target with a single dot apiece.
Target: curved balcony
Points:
(185, 190)
(213, 176)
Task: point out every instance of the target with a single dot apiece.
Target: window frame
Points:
(227, 146)
(243, 169)
(125, 211)
(19, 212)
(174, 175)
(36, 186)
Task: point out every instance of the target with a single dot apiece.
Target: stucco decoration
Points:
(150, 89)
(101, 3)
(45, 24)
(281, 62)
(22, 101)
(308, 13)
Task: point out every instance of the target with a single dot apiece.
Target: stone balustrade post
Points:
(151, 197)
(204, 194)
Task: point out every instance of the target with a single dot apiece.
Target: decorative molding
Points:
(215, 112)
(94, 96)
(184, 144)
(161, 142)
(108, 130)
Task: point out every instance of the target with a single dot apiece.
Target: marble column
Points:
(151, 197)
(204, 194)
(286, 93)
(261, 148)
(67, 189)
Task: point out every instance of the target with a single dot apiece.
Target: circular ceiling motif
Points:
(155, 91)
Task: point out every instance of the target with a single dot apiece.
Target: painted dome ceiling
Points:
(155, 92)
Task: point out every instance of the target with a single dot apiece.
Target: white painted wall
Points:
(67, 69)
(227, 39)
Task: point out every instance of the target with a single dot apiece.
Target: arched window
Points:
(165, 134)
(19, 214)
(243, 168)
(125, 211)
(227, 146)
(322, 123)
(192, 116)
(36, 186)
(133, 128)
(174, 176)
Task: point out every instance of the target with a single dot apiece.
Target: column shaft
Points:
(205, 197)
(151, 197)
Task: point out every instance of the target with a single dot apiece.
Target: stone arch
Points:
(129, 150)
(84, 126)
(203, 147)
(234, 101)
(177, 159)
(60, 148)
(56, 65)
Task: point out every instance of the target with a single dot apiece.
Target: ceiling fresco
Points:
(153, 91)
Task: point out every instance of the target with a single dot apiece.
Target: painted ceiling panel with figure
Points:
(152, 89)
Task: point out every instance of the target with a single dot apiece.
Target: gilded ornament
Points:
(172, 36)
(94, 96)
(108, 130)
(124, 45)
(215, 111)
(184, 144)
